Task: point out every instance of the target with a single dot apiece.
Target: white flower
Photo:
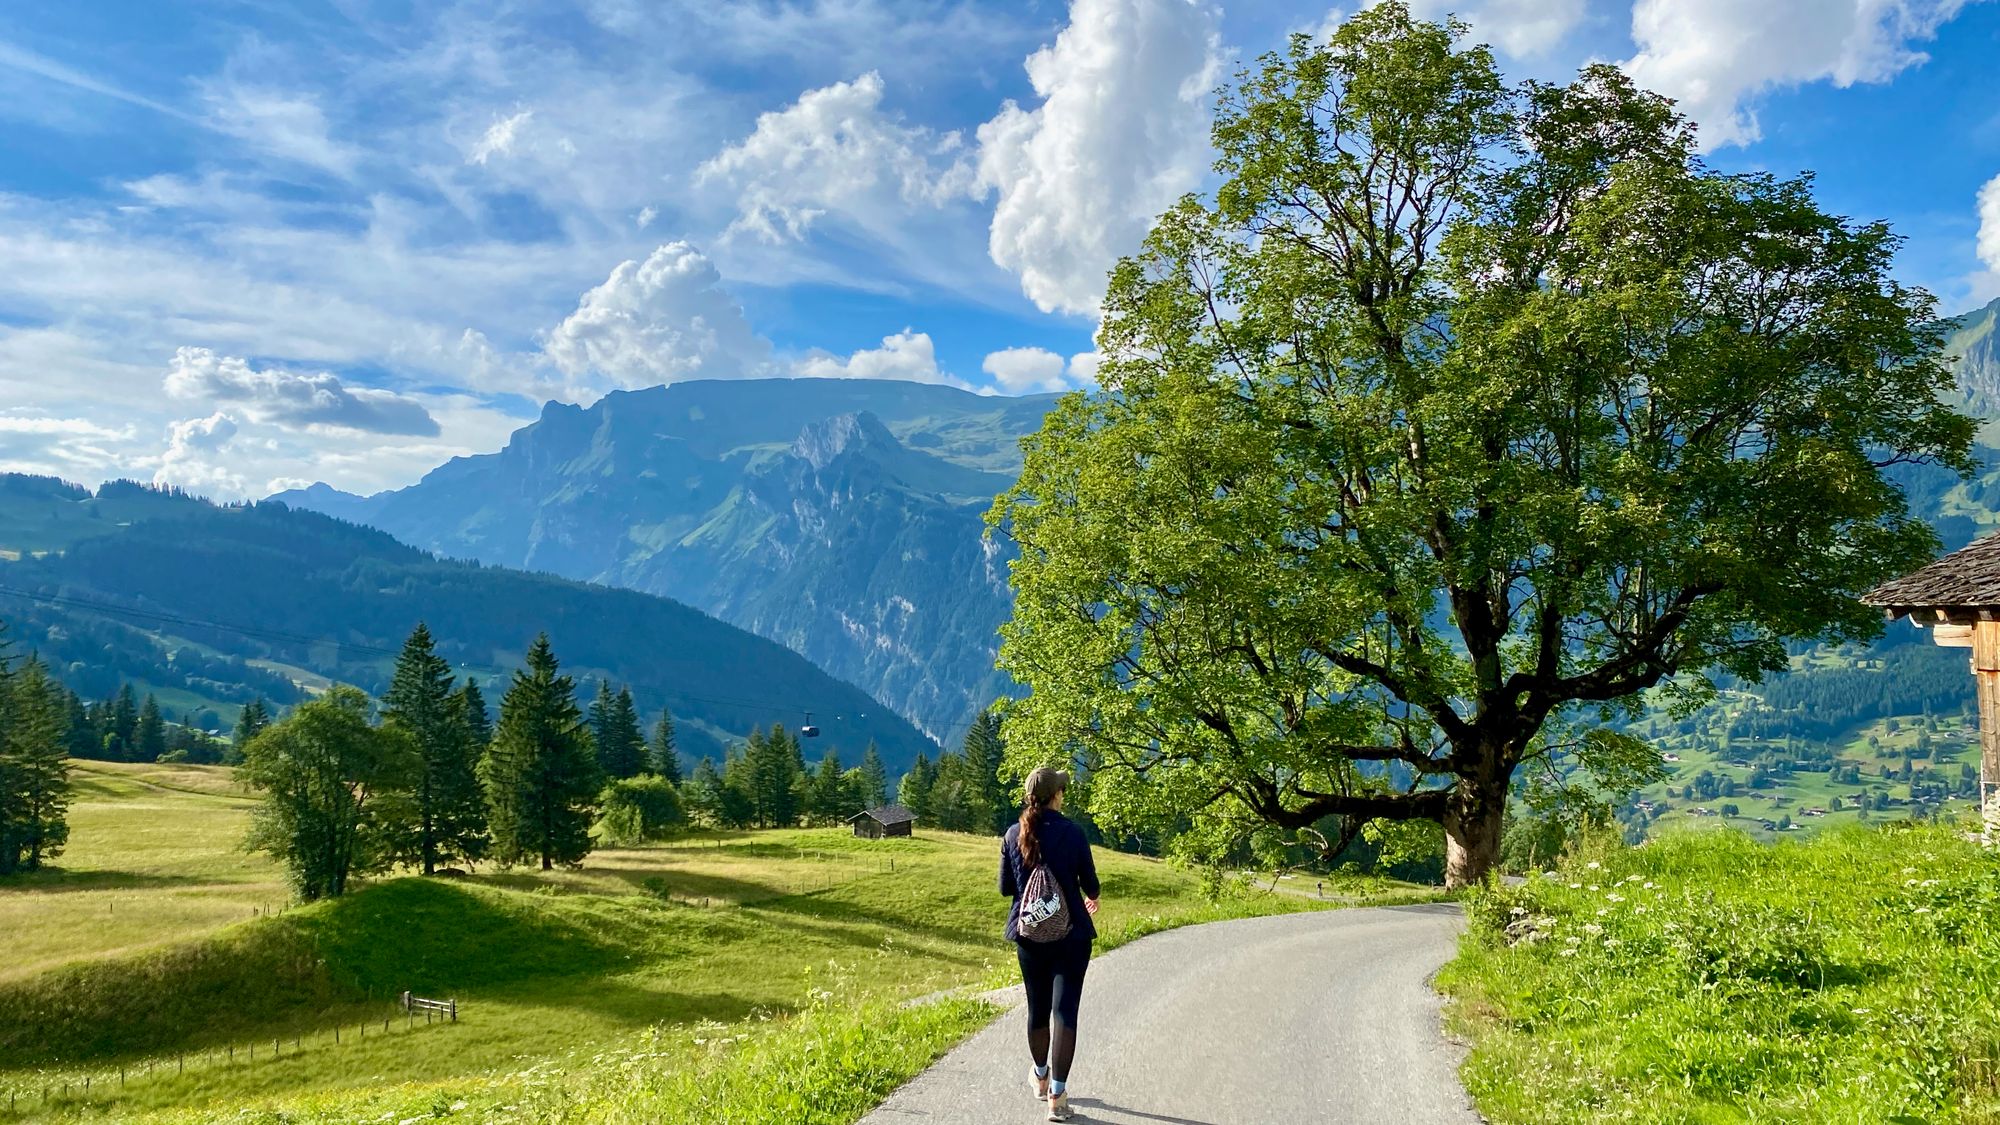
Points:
(1570, 952)
(1593, 865)
(1592, 928)
(1614, 898)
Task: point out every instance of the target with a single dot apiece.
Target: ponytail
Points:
(1043, 786)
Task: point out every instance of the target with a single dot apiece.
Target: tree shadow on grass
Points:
(57, 880)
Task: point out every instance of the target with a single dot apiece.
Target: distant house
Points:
(887, 820)
(1670, 757)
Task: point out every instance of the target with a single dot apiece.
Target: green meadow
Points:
(158, 950)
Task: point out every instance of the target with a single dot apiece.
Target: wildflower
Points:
(1593, 865)
(1592, 928)
(1569, 952)
(1614, 898)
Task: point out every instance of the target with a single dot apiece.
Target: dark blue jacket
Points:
(1067, 854)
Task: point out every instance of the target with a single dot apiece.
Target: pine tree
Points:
(702, 795)
(122, 733)
(990, 803)
(450, 814)
(663, 757)
(541, 772)
(772, 775)
(914, 792)
(614, 723)
(478, 724)
(33, 761)
(250, 722)
(954, 796)
(828, 793)
(152, 737)
(84, 739)
(874, 778)
(736, 800)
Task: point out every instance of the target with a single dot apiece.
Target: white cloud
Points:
(907, 355)
(1521, 28)
(190, 457)
(1036, 370)
(645, 218)
(834, 150)
(293, 399)
(663, 320)
(498, 140)
(287, 125)
(1715, 57)
(1989, 224)
(1121, 131)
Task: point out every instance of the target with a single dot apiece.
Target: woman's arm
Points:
(1086, 871)
(1007, 888)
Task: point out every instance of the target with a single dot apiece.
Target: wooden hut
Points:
(1958, 599)
(885, 820)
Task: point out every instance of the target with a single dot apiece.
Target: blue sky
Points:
(248, 243)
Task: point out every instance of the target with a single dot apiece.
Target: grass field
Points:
(1705, 977)
(144, 948)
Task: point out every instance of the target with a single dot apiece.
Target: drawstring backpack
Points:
(1044, 909)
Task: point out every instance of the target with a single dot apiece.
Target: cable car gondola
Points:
(809, 730)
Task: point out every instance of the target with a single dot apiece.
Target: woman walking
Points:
(1045, 867)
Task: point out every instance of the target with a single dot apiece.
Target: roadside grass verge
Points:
(1705, 977)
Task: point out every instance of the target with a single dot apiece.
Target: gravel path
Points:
(1325, 1017)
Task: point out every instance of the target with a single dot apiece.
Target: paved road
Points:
(1303, 1018)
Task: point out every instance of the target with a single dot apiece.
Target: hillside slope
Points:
(257, 594)
(842, 518)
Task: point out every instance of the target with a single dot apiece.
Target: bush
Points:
(636, 809)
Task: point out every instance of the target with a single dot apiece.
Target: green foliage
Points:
(1706, 977)
(334, 789)
(34, 776)
(614, 726)
(637, 809)
(449, 818)
(914, 791)
(874, 782)
(1458, 409)
(663, 755)
(151, 740)
(540, 772)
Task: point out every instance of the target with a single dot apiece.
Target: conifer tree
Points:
(989, 801)
(478, 724)
(702, 795)
(614, 723)
(827, 802)
(914, 792)
(663, 757)
(122, 733)
(34, 770)
(250, 722)
(541, 772)
(152, 736)
(449, 820)
(874, 778)
(954, 796)
(83, 740)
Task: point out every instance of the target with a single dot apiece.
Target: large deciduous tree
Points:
(1459, 417)
(335, 791)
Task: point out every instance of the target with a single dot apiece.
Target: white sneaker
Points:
(1059, 1106)
(1040, 1082)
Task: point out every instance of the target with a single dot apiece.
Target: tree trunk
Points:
(1473, 822)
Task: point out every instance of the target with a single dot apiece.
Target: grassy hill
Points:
(209, 605)
(144, 946)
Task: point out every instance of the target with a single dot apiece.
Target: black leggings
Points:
(1053, 974)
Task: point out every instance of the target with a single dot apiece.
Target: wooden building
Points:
(1958, 599)
(887, 820)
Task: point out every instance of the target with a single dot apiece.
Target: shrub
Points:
(640, 808)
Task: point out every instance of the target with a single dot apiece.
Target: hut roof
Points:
(886, 815)
(1964, 586)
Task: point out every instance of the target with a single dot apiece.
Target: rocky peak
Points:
(820, 443)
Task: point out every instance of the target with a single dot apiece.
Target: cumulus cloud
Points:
(190, 457)
(291, 398)
(663, 320)
(1715, 56)
(1121, 131)
(1989, 224)
(1034, 370)
(907, 355)
(498, 140)
(834, 150)
(1521, 28)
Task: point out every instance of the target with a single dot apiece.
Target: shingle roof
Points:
(1967, 580)
(886, 815)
